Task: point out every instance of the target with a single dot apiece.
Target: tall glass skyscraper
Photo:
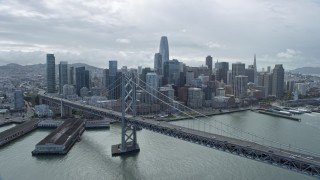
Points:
(63, 75)
(278, 81)
(51, 74)
(114, 80)
(82, 79)
(164, 49)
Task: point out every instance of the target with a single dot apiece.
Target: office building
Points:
(82, 79)
(158, 64)
(237, 70)
(51, 74)
(63, 75)
(209, 63)
(255, 78)
(250, 72)
(71, 76)
(18, 100)
(240, 86)
(152, 86)
(114, 79)
(222, 71)
(278, 81)
(164, 49)
(267, 83)
(171, 73)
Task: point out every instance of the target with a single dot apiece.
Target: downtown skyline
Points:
(93, 32)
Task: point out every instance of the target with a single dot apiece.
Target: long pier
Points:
(295, 161)
(17, 131)
(61, 139)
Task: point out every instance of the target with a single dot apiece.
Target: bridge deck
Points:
(238, 142)
(295, 161)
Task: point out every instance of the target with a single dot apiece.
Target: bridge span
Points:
(298, 162)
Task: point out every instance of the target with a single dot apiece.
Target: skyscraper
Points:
(240, 86)
(51, 74)
(164, 49)
(250, 73)
(255, 70)
(209, 63)
(267, 83)
(152, 86)
(113, 67)
(222, 71)
(63, 75)
(238, 69)
(71, 76)
(18, 100)
(171, 71)
(114, 80)
(278, 80)
(158, 64)
(82, 79)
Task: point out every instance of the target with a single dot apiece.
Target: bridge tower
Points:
(128, 105)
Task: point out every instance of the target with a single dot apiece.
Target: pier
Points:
(97, 124)
(61, 139)
(17, 131)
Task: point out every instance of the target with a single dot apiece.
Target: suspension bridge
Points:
(218, 135)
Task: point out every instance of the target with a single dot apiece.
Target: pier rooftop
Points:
(61, 139)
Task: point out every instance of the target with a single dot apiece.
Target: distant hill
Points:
(40, 69)
(307, 70)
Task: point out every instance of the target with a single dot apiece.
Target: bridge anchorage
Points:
(128, 105)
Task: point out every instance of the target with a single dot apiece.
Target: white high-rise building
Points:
(152, 84)
(301, 88)
(240, 86)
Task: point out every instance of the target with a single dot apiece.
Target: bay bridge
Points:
(225, 137)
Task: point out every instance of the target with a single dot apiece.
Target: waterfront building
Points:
(51, 74)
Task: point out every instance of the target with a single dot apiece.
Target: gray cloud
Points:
(95, 31)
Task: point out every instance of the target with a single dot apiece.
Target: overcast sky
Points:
(95, 31)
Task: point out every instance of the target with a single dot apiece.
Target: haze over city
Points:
(277, 31)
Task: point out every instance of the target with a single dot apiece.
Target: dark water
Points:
(161, 157)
